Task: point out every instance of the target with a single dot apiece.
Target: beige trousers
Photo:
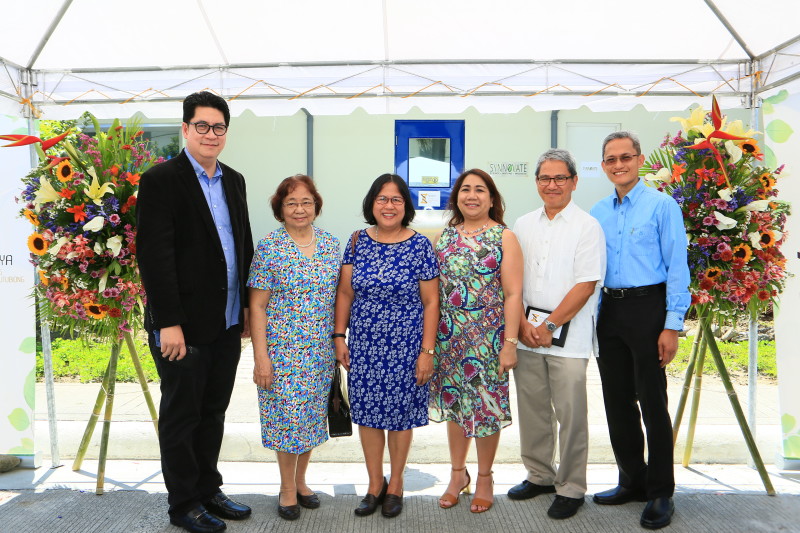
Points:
(551, 397)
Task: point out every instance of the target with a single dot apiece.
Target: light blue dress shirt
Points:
(646, 245)
(215, 196)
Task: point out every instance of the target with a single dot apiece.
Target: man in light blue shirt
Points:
(644, 300)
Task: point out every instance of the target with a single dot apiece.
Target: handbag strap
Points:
(353, 241)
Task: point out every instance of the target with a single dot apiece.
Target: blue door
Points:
(429, 155)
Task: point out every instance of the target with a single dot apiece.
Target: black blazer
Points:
(179, 252)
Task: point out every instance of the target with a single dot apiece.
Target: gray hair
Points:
(622, 135)
(557, 154)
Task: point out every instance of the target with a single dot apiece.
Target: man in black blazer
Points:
(194, 248)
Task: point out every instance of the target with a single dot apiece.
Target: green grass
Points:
(75, 360)
(734, 354)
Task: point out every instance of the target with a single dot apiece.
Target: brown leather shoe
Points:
(392, 505)
(370, 503)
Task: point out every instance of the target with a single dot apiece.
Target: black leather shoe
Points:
(197, 520)
(657, 513)
(392, 505)
(289, 512)
(527, 490)
(564, 507)
(309, 502)
(370, 503)
(619, 495)
(224, 507)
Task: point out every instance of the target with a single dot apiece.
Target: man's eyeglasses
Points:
(627, 158)
(545, 181)
(203, 127)
(383, 200)
(305, 204)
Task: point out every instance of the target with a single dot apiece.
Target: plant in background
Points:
(81, 202)
(733, 218)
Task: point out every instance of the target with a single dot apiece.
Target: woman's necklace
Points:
(474, 232)
(313, 238)
(376, 235)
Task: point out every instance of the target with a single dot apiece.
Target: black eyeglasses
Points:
(545, 181)
(627, 158)
(203, 127)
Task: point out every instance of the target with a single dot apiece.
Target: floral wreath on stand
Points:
(82, 205)
(734, 220)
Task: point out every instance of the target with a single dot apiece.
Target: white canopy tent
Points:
(386, 56)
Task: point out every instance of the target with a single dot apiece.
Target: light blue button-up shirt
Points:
(215, 196)
(646, 245)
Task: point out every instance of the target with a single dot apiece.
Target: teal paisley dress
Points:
(466, 388)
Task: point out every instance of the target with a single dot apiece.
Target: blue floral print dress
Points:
(386, 331)
(299, 327)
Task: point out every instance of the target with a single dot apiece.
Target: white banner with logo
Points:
(781, 118)
(17, 320)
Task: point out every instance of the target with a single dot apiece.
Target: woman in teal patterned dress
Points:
(292, 289)
(481, 305)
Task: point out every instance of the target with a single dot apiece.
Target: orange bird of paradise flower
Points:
(22, 140)
(716, 120)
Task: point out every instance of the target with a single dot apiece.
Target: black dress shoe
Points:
(619, 495)
(527, 490)
(224, 507)
(370, 503)
(657, 513)
(564, 507)
(197, 520)
(309, 502)
(288, 512)
(392, 505)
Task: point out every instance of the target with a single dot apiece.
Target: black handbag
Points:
(339, 423)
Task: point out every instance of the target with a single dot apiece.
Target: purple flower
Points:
(709, 221)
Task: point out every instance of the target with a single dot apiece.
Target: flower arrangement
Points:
(733, 219)
(82, 205)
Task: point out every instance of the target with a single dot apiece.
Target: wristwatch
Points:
(429, 352)
(512, 340)
(550, 326)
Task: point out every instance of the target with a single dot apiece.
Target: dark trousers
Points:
(195, 393)
(627, 332)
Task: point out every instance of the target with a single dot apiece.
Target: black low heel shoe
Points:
(370, 503)
(392, 505)
(289, 512)
(309, 502)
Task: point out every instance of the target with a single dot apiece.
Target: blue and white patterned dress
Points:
(299, 327)
(386, 331)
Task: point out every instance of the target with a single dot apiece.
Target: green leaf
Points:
(779, 131)
(19, 419)
(777, 98)
(28, 345)
(770, 159)
(25, 448)
(29, 390)
(767, 108)
(787, 422)
(95, 123)
(791, 447)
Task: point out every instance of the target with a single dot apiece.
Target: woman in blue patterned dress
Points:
(292, 290)
(481, 303)
(388, 297)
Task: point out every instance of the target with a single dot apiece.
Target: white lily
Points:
(755, 239)
(114, 244)
(724, 222)
(734, 151)
(54, 248)
(726, 194)
(97, 191)
(101, 286)
(662, 175)
(757, 205)
(96, 224)
(98, 248)
(46, 193)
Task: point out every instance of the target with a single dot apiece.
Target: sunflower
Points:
(64, 171)
(37, 244)
(43, 279)
(767, 181)
(750, 146)
(742, 253)
(767, 239)
(95, 311)
(713, 273)
(31, 216)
